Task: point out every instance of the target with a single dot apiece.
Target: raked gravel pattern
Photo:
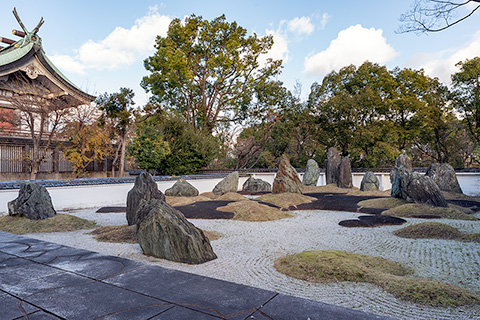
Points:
(246, 252)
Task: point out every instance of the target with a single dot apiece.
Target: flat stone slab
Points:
(50, 281)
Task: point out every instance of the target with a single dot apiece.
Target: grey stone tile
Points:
(96, 300)
(94, 265)
(177, 313)
(215, 297)
(12, 307)
(20, 271)
(284, 307)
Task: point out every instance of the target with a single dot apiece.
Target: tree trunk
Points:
(122, 154)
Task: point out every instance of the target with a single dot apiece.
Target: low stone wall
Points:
(89, 193)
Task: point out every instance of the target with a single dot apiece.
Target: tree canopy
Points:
(208, 70)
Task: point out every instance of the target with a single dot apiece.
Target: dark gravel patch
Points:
(372, 221)
(206, 210)
(337, 202)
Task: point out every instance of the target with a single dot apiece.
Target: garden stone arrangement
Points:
(163, 231)
(287, 179)
(33, 203)
(227, 184)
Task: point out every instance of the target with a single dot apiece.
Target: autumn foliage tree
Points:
(87, 141)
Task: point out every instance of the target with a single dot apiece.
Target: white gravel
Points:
(246, 252)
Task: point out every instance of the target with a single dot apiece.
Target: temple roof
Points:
(27, 58)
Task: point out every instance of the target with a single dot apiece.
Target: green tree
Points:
(466, 95)
(166, 143)
(117, 112)
(208, 70)
(148, 146)
(349, 105)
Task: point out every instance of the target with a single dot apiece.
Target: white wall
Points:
(91, 196)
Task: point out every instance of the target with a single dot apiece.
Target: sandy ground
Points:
(246, 252)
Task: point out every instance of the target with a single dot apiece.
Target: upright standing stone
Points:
(145, 188)
(444, 176)
(331, 165)
(256, 185)
(164, 232)
(33, 202)
(227, 184)
(403, 167)
(369, 182)
(287, 179)
(312, 173)
(182, 188)
(344, 176)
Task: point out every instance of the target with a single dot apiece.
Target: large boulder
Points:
(331, 165)
(369, 182)
(182, 188)
(422, 189)
(165, 233)
(256, 185)
(287, 179)
(33, 202)
(312, 173)
(398, 174)
(145, 188)
(344, 175)
(227, 184)
(444, 176)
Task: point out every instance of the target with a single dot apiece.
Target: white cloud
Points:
(68, 64)
(301, 26)
(353, 45)
(120, 48)
(442, 65)
(324, 20)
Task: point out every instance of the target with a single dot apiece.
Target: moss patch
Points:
(209, 195)
(435, 230)
(286, 199)
(128, 234)
(383, 203)
(212, 235)
(58, 223)
(232, 196)
(410, 209)
(329, 188)
(326, 266)
(117, 234)
(254, 211)
(182, 201)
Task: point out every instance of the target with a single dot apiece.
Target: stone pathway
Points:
(43, 280)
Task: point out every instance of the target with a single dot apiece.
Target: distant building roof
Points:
(28, 57)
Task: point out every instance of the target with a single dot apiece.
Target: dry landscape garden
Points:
(413, 256)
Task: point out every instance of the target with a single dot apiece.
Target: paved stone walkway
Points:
(44, 280)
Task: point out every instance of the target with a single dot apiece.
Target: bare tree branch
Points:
(436, 15)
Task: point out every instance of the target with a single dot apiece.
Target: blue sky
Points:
(100, 45)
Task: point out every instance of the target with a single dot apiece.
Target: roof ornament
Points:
(28, 36)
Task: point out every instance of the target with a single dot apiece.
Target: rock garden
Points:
(410, 252)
